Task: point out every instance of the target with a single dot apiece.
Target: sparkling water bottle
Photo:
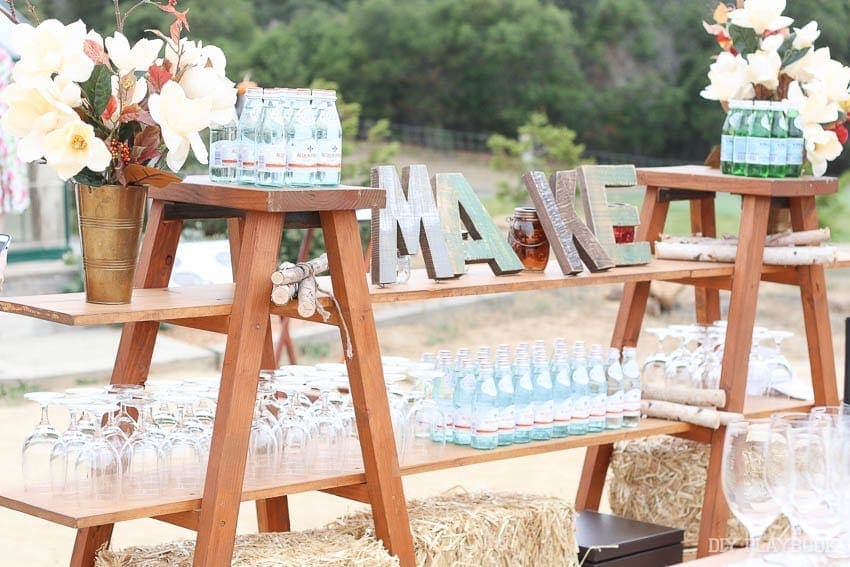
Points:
(562, 395)
(464, 395)
(301, 142)
(485, 424)
(631, 388)
(246, 136)
(598, 390)
(758, 140)
(542, 392)
(581, 391)
(523, 399)
(614, 399)
(778, 140)
(271, 143)
(794, 159)
(444, 391)
(224, 151)
(328, 138)
(503, 375)
(727, 136)
(739, 144)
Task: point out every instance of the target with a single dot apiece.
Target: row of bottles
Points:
(283, 138)
(527, 395)
(761, 139)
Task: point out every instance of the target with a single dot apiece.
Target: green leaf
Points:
(98, 89)
(89, 177)
(744, 40)
(792, 56)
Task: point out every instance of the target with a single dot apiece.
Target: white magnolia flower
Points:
(206, 83)
(74, 146)
(215, 59)
(763, 68)
(761, 15)
(810, 66)
(34, 112)
(814, 106)
(140, 89)
(51, 49)
(772, 42)
(138, 58)
(191, 53)
(805, 36)
(832, 78)
(822, 146)
(728, 79)
(180, 119)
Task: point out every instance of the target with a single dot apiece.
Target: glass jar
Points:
(527, 239)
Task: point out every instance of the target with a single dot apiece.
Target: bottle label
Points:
(726, 149)
(544, 380)
(487, 421)
(462, 419)
(581, 409)
(488, 387)
(227, 153)
(525, 381)
(247, 155)
(543, 412)
(795, 151)
(330, 154)
(778, 151)
(597, 405)
(215, 153)
(301, 154)
(758, 151)
(563, 377)
(524, 417)
(505, 385)
(563, 410)
(507, 418)
(614, 403)
(271, 158)
(597, 374)
(631, 401)
(739, 149)
(580, 376)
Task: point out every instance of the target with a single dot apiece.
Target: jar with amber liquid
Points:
(528, 240)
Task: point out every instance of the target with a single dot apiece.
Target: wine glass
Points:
(262, 446)
(744, 480)
(145, 462)
(98, 465)
(425, 439)
(125, 392)
(63, 456)
(327, 436)
(185, 455)
(35, 453)
(294, 436)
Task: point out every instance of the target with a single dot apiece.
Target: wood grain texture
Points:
(592, 480)
(368, 392)
(199, 190)
(702, 178)
(188, 520)
(242, 361)
(461, 208)
(356, 492)
(715, 511)
(87, 543)
(558, 232)
(589, 248)
(601, 216)
(706, 300)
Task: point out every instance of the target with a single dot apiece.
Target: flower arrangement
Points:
(763, 58)
(100, 111)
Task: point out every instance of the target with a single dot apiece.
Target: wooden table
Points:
(698, 185)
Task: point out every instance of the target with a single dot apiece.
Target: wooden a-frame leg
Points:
(368, 391)
(815, 310)
(87, 544)
(626, 331)
(739, 335)
(706, 300)
(247, 332)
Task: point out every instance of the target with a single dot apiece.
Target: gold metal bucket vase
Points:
(111, 219)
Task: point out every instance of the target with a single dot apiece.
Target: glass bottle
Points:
(727, 136)
(739, 143)
(271, 145)
(485, 423)
(794, 159)
(523, 399)
(542, 396)
(224, 152)
(778, 140)
(504, 382)
(301, 141)
(562, 395)
(614, 399)
(581, 395)
(598, 390)
(246, 136)
(464, 395)
(328, 138)
(758, 140)
(528, 240)
(631, 388)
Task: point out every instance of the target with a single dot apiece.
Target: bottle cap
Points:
(761, 105)
(254, 92)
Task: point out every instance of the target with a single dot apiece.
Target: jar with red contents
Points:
(528, 240)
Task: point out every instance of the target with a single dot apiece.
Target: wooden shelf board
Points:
(763, 406)
(703, 178)
(199, 190)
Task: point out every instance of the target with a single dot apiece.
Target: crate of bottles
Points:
(761, 138)
(282, 138)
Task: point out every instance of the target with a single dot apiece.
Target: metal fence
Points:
(454, 140)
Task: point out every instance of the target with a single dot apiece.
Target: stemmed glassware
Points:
(328, 433)
(145, 472)
(98, 465)
(652, 371)
(38, 445)
(425, 439)
(63, 456)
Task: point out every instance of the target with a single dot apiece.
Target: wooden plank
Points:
(554, 222)
(368, 392)
(188, 519)
(242, 361)
(815, 310)
(592, 481)
(706, 301)
(356, 492)
(459, 205)
(670, 195)
(199, 190)
(87, 543)
(715, 511)
(703, 178)
(213, 323)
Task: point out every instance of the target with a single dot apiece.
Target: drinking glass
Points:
(125, 393)
(294, 436)
(35, 453)
(744, 480)
(262, 447)
(63, 456)
(425, 439)
(327, 438)
(145, 473)
(98, 465)
(186, 458)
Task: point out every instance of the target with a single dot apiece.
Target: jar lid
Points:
(525, 213)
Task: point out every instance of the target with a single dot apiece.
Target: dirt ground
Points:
(578, 313)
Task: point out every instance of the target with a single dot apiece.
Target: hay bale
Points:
(661, 480)
(474, 529)
(313, 548)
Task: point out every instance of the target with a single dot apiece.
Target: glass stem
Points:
(755, 542)
(44, 421)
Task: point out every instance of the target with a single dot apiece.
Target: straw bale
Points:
(661, 480)
(313, 548)
(462, 529)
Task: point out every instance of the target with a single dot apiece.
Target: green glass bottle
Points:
(727, 136)
(739, 142)
(758, 140)
(794, 158)
(778, 140)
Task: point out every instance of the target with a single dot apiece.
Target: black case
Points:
(627, 543)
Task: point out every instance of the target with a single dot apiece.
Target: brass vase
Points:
(111, 218)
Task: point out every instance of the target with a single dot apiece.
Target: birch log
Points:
(799, 238)
(702, 416)
(289, 273)
(721, 252)
(307, 297)
(689, 396)
(281, 294)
